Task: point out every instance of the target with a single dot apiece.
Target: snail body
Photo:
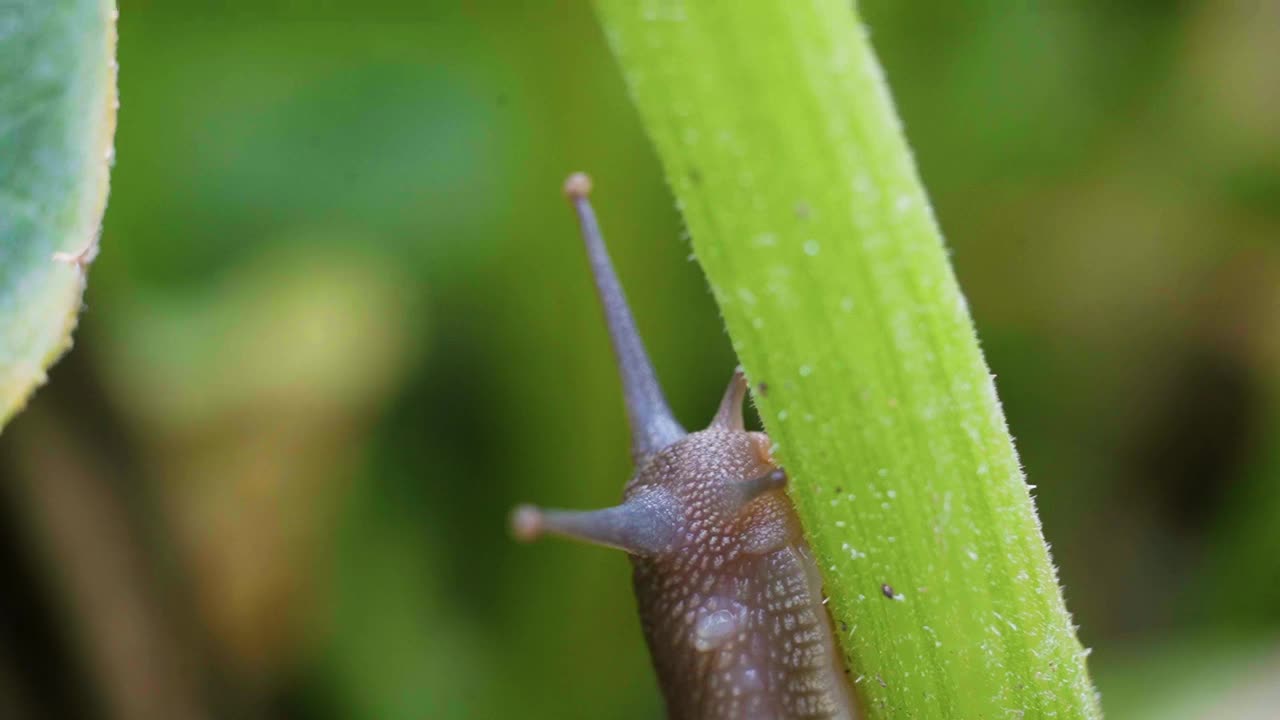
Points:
(730, 598)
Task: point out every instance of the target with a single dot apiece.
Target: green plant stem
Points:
(775, 127)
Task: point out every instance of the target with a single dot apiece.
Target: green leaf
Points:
(57, 120)
(777, 133)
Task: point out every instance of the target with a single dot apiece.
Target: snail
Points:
(729, 595)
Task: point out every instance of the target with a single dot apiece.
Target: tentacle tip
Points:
(526, 523)
(577, 186)
(729, 415)
(753, 488)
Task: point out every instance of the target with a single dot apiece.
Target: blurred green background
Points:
(341, 323)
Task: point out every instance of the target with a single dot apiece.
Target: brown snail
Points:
(729, 595)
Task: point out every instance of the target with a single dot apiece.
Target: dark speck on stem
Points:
(887, 589)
